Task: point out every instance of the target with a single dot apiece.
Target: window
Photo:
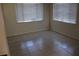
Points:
(28, 12)
(65, 12)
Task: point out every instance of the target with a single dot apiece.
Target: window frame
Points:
(62, 19)
(31, 20)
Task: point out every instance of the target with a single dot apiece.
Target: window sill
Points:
(28, 21)
(70, 22)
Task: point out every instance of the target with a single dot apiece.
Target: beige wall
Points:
(71, 30)
(14, 28)
(3, 41)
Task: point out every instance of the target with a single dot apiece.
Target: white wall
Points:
(3, 41)
(67, 29)
(14, 28)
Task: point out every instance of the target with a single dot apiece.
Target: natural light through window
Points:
(28, 12)
(65, 12)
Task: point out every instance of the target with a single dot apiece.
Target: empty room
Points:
(39, 29)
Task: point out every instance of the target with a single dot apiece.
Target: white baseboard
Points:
(71, 36)
(26, 32)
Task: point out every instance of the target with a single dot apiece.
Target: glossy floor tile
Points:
(45, 43)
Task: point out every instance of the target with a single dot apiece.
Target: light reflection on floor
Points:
(33, 46)
(63, 45)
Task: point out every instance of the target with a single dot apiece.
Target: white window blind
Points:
(29, 12)
(65, 12)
